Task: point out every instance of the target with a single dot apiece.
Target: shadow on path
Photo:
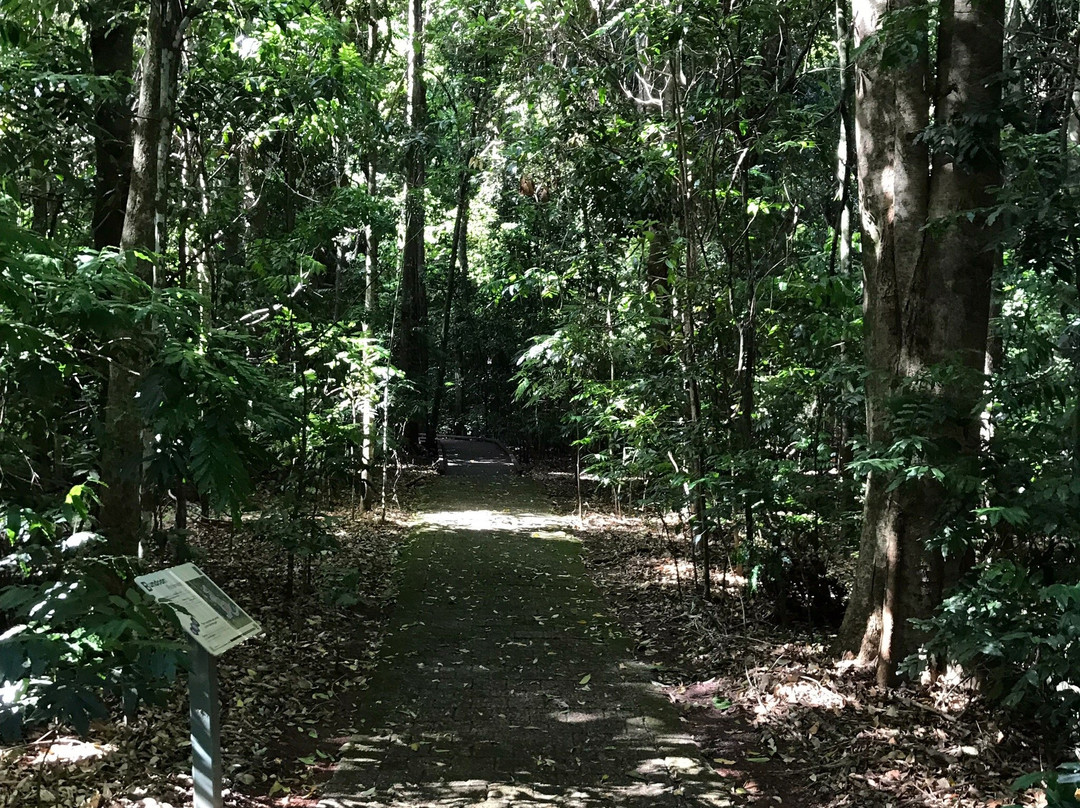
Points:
(503, 681)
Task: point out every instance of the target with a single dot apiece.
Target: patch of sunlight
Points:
(490, 794)
(670, 764)
(805, 692)
(553, 535)
(569, 475)
(477, 461)
(498, 521)
(71, 750)
(670, 573)
(573, 717)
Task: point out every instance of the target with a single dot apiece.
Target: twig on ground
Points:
(927, 707)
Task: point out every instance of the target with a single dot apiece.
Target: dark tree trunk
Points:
(111, 33)
(371, 293)
(122, 449)
(457, 247)
(412, 351)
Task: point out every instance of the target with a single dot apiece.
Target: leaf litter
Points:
(778, 717)
(286, 695)
(782, 720)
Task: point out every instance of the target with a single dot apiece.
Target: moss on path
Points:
(503, 681)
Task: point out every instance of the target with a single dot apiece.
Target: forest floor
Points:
(780, 718)
(286, 695)
(503, 680)
(776, 719)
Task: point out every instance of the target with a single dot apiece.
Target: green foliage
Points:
(79, 636)
(1059, 785)
(1019, 638)
(307, 535)
(340, 590)
(204, 403)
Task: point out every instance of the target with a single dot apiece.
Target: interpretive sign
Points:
(215, 624)
(210, 616)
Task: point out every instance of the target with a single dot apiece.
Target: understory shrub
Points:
(77, 637)
(1019, 638)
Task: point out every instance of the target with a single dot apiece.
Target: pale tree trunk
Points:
(370, 397)
(928, 269)
(840, 260)
(195, 179)
(174, 24)
(412, 354)
(122, 446)
(696, 464)
(141, 219)
(840, 255)
(369, 401)
(1072, 118)
(747, 367)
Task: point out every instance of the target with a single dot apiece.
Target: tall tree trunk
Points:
(461, 229)
(196, 181)
(696, 464)
(371, 293)
(412, 353)
(840, 261)
(746, 370)
(122, 446)
(1072, 118)
(371, 302)
(111, 33)
(840, 255)
(172, 36)
(928, 259)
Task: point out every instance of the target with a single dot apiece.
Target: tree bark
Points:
(122, 447)
(696, 463)
(457, 247)
(173, 25)
(111, 33)
(840, 255)
(372, 237)
(928, 259)
(412, 353)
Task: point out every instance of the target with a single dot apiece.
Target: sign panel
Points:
(210, 616)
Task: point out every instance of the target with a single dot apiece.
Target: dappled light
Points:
(538, 526)
(804, 691)
(625, 403)
(501, 666)
(494, 794)
(65, 751)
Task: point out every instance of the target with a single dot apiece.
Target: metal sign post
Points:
(205, 728)
(215, 624)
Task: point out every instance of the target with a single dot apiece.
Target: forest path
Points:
(503, 681)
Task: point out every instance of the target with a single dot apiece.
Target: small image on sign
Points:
(220, 602)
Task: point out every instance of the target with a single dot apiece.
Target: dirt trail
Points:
(503, 681)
